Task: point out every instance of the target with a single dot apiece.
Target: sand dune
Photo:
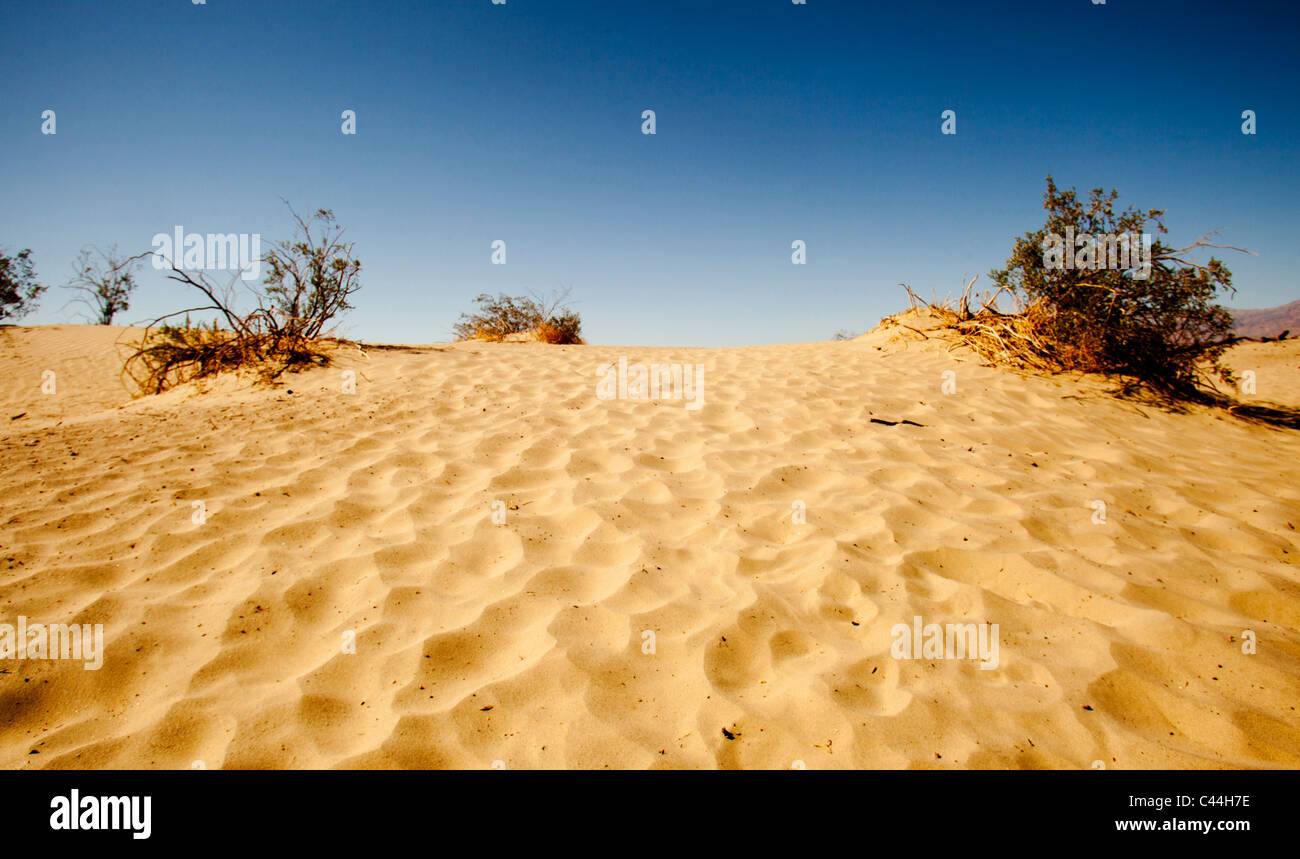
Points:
(331, 514)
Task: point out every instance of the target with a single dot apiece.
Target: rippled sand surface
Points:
(710, 588)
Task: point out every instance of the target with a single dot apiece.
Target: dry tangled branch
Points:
(307, 285)
(168, 354)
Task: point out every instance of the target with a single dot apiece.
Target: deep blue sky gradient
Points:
(522, 122)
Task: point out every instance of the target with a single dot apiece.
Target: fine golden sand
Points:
(370, 514)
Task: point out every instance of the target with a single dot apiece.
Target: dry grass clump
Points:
(1009, 339)
(169, 355)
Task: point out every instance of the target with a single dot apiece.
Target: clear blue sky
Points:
(522, 122)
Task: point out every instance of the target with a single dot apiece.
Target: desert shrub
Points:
(497, 318)
(1163, 330)
(307, 285)
(563, 328)
(505, 316)
(310, 278)
(19, 291)
(105, 281)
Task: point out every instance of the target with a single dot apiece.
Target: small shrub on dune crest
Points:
(105, 281)
(563, 328)
(308, 283)
(506, 317)
(19, 291)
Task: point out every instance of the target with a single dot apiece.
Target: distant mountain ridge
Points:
(1267, 323)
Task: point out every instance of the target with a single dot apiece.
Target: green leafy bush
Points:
(1158, 323)
(19, 290)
